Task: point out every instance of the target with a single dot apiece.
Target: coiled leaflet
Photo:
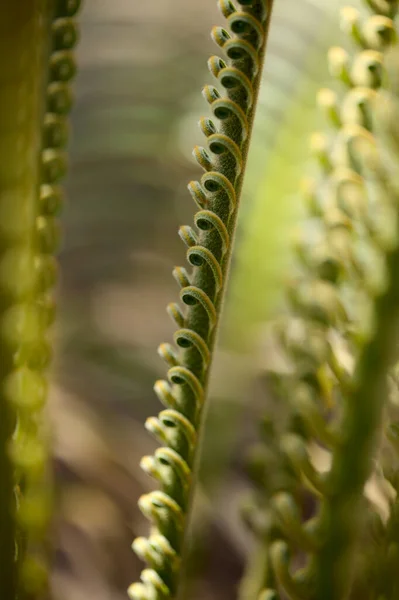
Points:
(327, 539)
(217, 195)
(33, 359)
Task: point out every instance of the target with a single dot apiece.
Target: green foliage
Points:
(18, 177)
(209, 250)
(320, 534)
(37, 37)
(338, 338)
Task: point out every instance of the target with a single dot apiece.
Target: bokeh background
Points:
(138, 100)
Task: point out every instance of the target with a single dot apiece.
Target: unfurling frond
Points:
(37, 39)
(339, 334)
(217, 195)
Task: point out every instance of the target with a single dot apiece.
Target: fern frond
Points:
(339, 335)
(29, 381)
(23, 42)
(209, 250)
(381, 559)
(31, 89)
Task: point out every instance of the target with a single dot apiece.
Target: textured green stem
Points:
(23, 37)
(61, 33)
(266, 226)
(209, 252)
(232, 226)
(352, 459)
(321, 385)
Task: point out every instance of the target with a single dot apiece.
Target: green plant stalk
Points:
(282, 174)
(23, 39)
(202, 277)
(309, 385)
(219, 436)
(352, 463)
(209, 253)
(35, 505)
(232, 226)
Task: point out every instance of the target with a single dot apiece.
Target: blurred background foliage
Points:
(142, 66)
